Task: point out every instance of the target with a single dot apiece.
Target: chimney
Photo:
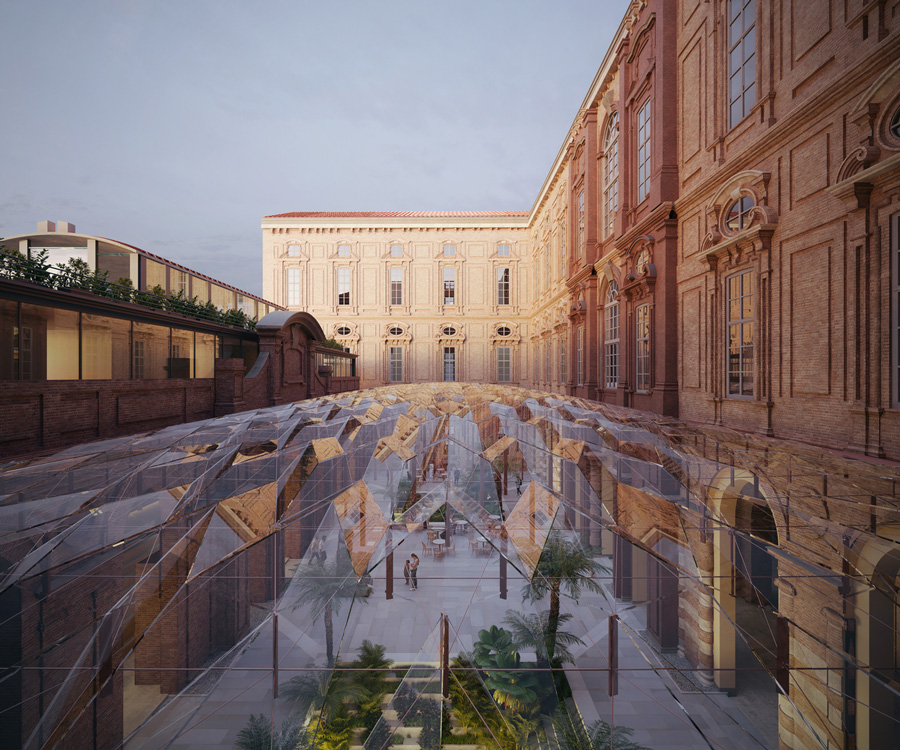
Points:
(65, 227)
(45, 227)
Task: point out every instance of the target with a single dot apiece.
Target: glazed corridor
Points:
(582, 569)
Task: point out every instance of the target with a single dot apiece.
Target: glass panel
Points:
(205, 356)
(231, 347)
(250, 353)
(116, 261)
(59, 256)
(150, 351)
(200, 289)
(181, 362)
(154, 274)
(52, 336)
(221, 297)
(10, 351)
(105, 348)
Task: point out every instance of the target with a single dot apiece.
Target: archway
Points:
(877, 647)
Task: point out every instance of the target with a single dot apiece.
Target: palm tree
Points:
(321, 692)
(531, 633)
(258, 735)
(571, 734)
(327, 585)
(564, 568)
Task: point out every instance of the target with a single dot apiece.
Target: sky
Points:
(177, 125)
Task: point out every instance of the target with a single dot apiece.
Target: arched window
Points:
(611, 174)
(640, 261)
(611, 336)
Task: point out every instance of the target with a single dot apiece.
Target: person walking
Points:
(413, 572)
(406, 574)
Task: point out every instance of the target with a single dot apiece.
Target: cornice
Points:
(772, 138)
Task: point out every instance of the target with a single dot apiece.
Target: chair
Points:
(438, 553)
(426, 550)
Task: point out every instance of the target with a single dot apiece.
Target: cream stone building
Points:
(419, 296)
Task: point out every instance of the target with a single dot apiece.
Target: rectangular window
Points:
(562, 360)
(343, 251)
(643, 152)
(579, 363)
(562, 248)
(739, 300)
(396, 364)
(138, 358)
(449, 286)
(504, 369)
(181, 283)
(741, 59)
(449, 364)
(611, 183)
(547, 266)
(502, 286)
(293, 251)
(611, 345)
(895, 299)
(449, 251)
(547, 362)
(503, 251)
(293, 287)
(396, 286)
(580, 247)
(343, 286)
(642, 350)
(396, 251)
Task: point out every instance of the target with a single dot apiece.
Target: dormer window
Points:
(738, 215)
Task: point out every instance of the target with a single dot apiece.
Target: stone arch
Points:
(877, 614)
(733, 494)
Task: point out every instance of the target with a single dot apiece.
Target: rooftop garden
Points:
(77, 274)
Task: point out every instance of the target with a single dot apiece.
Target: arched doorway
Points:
(878, 649)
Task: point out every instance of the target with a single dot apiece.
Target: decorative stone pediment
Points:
(450, 333)
(499, 337)
(397, 333)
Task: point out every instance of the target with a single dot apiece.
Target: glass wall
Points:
(105, 344)
(150, 351)
(59, 256)
(155, 274)
(205, 355)
(221, 297)
(181, 361)
(115, 261)
(200, 289)
(9, 340)
(45, 343)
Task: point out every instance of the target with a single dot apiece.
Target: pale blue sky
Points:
(176, 126)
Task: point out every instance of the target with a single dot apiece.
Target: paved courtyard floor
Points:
(664, 712)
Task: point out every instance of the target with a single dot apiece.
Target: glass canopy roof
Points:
(448, 564)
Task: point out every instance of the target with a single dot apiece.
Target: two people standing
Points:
(410, 572)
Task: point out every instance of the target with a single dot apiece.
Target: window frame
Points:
(611, 337)
(611, 174)
(395, 364)
(395, 286)
(293, 289)
(562, 360)
(451, 270)
(579, 356)
(449, 358)
(741, 371)
(746, 96)
(642, 348)
(500, 363)
(644, 142)
(504, 285)
(581, 233)
(343, 282)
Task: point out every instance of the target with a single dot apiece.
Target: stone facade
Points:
(718, 251)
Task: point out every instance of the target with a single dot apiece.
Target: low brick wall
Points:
(51, 414)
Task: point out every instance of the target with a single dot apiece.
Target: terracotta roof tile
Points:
(394, 214)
